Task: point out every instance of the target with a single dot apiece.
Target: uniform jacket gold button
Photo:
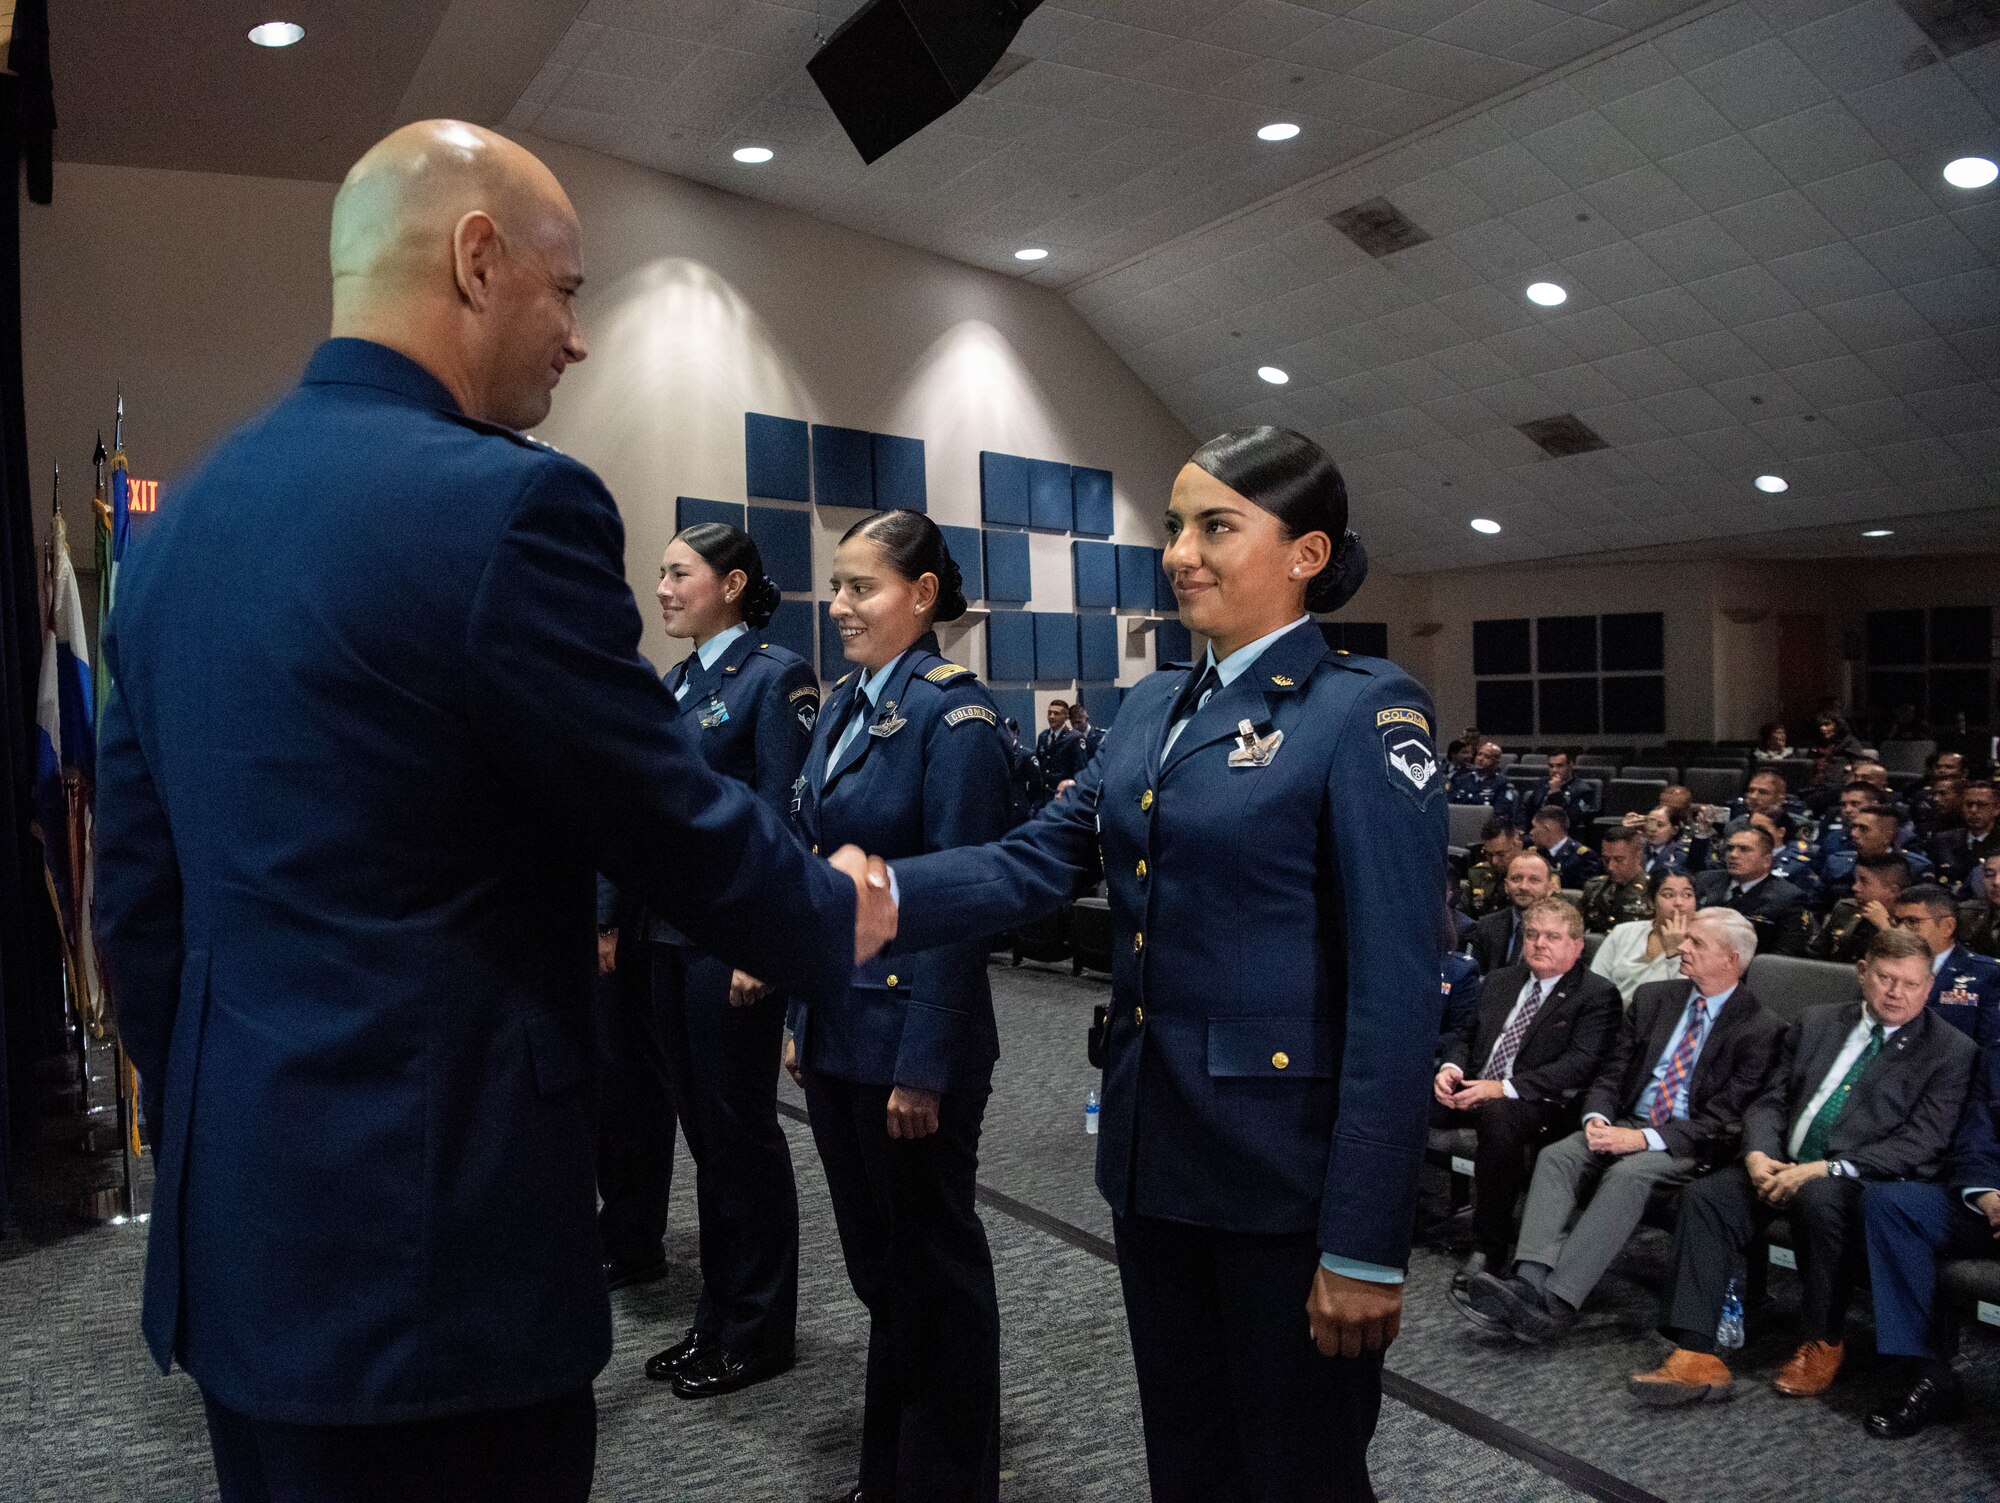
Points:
(1142, 871)
(892, 981)
(1138, 1014)
(1146, 799)
(1138, 943)
(1280, 1060)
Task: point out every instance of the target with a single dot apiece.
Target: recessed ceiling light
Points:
(1547, 294)
(277, 33)
(1880, 532)
(1486, 525)
(1031, 253)
(1281, 130)
(1970, 172)
(1772, 484)
(1272, 374)
(752, 156)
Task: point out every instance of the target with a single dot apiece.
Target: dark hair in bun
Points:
(1295, 480)
(726, 549)
(914, 547)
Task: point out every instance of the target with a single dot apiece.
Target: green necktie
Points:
(1814, 1147)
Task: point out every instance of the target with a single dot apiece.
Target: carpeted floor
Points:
(84, 1416)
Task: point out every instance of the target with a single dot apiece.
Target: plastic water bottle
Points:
(1729, 1331)
(1090, 1112)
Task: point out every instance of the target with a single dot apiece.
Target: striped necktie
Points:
(1502, 1060)
(1680, 1067)
(1813, 1148)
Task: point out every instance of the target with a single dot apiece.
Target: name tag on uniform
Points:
(714, 713)
(1253, 750)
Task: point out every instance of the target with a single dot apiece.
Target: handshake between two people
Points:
(874, 900)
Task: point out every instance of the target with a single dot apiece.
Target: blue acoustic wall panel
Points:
(785, 540)
(963, 545)
(1091, 492)
(1136, 568)
(843, 467)
(1163, 587)
(1007, 575)
(1003, 488)
(1017, 705)
(1050, 505)
(689, 510)
(831, 664)
(1094, 566)
(1097, 647)
(899, 473)
(791, 626)
(1055, 646)
(1172, 643)
(1010, 647)
(1102, 701)
(777, 455)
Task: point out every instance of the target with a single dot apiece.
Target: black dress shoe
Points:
(1928, 1402)
(716, 1370)
(619, 1274)
(1478, 1302)
(1524, 1311)
(661, 1367)
(1471, 1268)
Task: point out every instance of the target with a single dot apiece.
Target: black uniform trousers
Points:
(635, 1129)
(1720, 1216)
(540, 1453)
(1510, 1134)
(722, 1072)
(1238, 1404)
(917, 1257)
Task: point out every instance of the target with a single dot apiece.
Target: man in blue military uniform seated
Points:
(1574, 863)
(1873, 832)
(1564, 790)
(1765, 793)
(1966, 988)
(1957, 853)
(1775, 908)
(1483, 783)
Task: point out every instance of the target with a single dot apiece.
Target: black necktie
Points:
(687, 675)
(1190, 696)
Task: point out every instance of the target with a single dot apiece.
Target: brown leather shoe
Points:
(1684, 1378)
(1810, 1372)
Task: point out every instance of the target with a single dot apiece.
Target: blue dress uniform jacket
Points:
(1277, 937)
(1469, 787)
(379, 715)
(1966, 994)
(928, 773)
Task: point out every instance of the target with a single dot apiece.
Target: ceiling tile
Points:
(1725, 172)
(1743, 296)
(1710, 38)
(1793, 338)
(1691, 410)
(1865, 199)
(1779, 224)
(1671, 116)
(1838, 382)
(1921, 251)
(1715, 356)
(1617, 272)
(1688, 252)
(1970, 300)
(1859, 46)
(1641, 200)
(1882, 318)
(1820, 142)
(1669, 314)
(1915, 369)
(1585, 149)
(1643, 373)
(1510, 177)
(1759, 84)
(1828, 274)
(1595, 333)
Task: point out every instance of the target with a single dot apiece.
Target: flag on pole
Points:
(66, 766)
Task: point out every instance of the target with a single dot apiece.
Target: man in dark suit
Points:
(1776, 909)
(1667, 1106)
(1957, 853)
(1910, 1228)
(1540, 1035)
(1861, 1093)
(355, 777)
(1496, 939)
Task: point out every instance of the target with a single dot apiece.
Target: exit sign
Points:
(142, 496)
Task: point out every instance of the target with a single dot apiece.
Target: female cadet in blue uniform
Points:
(753, 707)
(1273, 832)
(909, 758)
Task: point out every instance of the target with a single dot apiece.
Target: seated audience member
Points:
(1678, 800)
(1773, 744)
(1965, 986)
(1846, 933)
(1459, 980)
(1665, 843)
(1621, 893)
(1910, 1227)
(1833, 748)
(1765, 793)
(1513, 1077)
(1833, 1119)
(1791, 859)
(1957, 853)
(1979, 917)
(1667, 1106)
(1834, 837)
(1775, 908)
(1496, 939)
(1483, 783)
(1459, 753)
(1575, 863)
(1939, 807)
(1484, 889)
(1648, 949)
(1872, 833)
(1564, 790)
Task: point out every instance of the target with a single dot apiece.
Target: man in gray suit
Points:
(1668, 1105)
(1862, 1094)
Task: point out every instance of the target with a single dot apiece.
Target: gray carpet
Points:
(84, 1415)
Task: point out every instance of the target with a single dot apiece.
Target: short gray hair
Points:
(1737, 931)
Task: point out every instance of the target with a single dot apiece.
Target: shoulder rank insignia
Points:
(970, 712)
(843, 678)
(1282, 681)
(946, 671)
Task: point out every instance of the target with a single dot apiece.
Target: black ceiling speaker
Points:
(894, 66)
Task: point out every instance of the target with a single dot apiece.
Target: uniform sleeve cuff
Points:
(1351, 1268)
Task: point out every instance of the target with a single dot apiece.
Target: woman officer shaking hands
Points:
(1272, 827)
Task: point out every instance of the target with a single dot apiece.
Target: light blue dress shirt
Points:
(709, 651)
(1644, 1109)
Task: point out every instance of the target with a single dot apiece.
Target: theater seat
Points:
(1467, 820)
(1789, 985)
(1714, 785)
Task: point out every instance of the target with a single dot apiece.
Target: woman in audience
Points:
(908, 758)
(1272, 830)
(1645, 950)
(1834, 747)
(1773, 744)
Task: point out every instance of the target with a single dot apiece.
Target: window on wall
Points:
(1550, 676)
(1939, 660)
